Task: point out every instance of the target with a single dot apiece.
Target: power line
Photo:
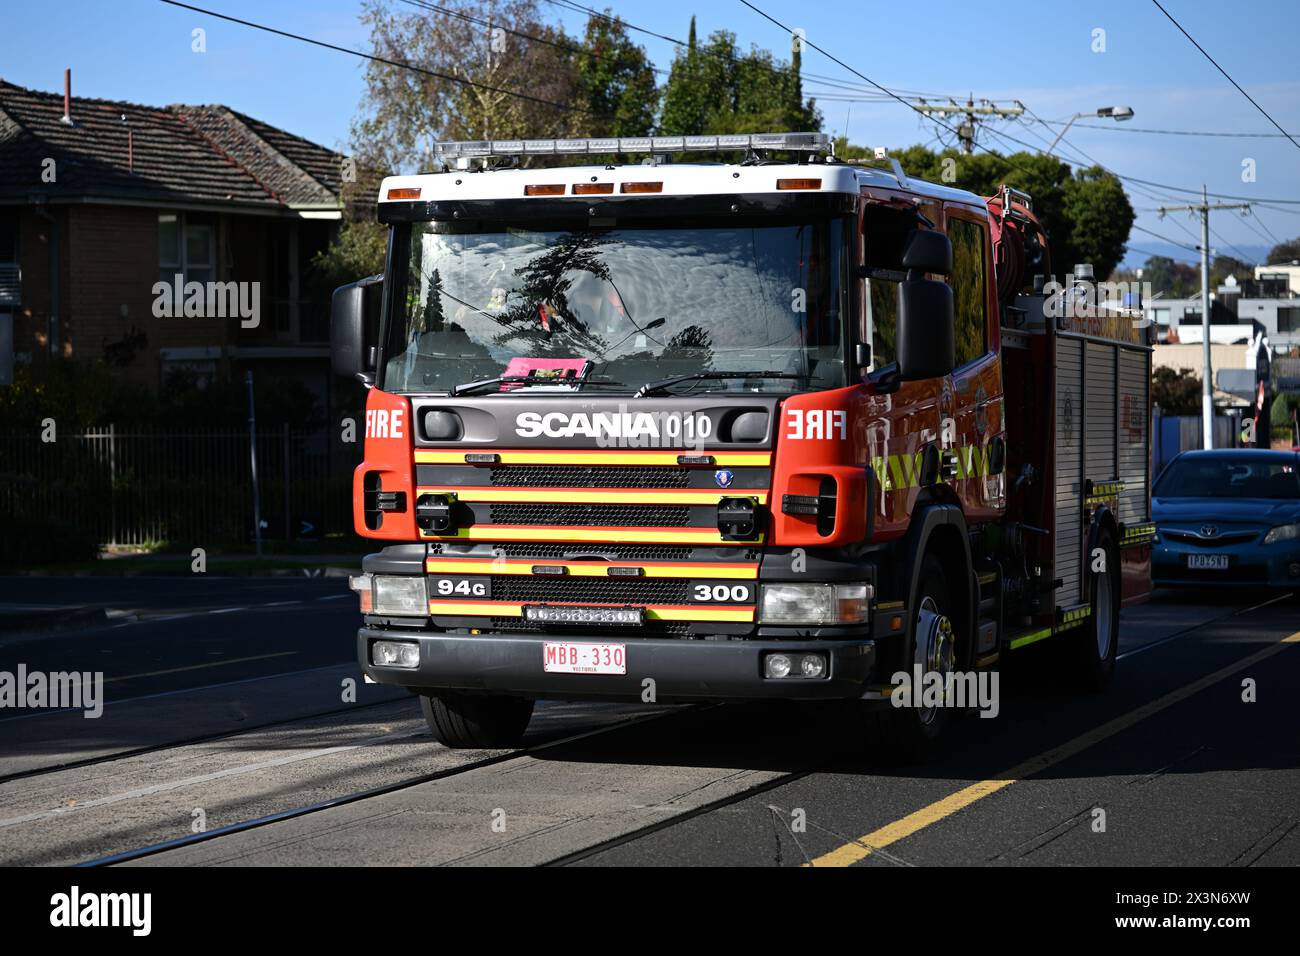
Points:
(1020, 142)
(1225, 73)
(574, 7)
(387, 62)
(888, 92)
(1157, 255)
(1172, 242)
(530, 37)
(1117, 128)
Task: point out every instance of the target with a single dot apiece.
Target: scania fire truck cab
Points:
(777, 427)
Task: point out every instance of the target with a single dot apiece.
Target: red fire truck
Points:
(777, 427)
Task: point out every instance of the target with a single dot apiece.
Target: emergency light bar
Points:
(797, 142)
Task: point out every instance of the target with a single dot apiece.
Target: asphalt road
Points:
(1171, 766)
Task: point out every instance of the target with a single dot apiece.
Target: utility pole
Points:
(973, 114)
(1207, 386)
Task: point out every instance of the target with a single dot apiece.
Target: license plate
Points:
(565, 657)
(1208, 562)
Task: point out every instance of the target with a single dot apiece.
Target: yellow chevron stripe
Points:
(497, 532)
(900, 471)
(760, 459)
(580, 569)
(466, 609)
(631, 496)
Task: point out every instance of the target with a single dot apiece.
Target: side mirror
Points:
(928, 251)
(353, 317)
(926, 317)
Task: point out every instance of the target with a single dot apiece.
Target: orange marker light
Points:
(642, 187)
(406, 192)
(555, 189)
(592, 189)
(798, 184)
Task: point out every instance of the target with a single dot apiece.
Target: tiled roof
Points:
(206, 155)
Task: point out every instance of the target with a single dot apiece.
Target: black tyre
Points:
(479, 722)
(1094, 646)
(911, 734)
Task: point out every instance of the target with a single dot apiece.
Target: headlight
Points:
(1284, 532)
(816, 603)
(401, 594)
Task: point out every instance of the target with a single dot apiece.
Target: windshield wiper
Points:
(649, 388)
(523, 380)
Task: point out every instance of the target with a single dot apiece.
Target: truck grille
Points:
(639, 516)
(594, 476)
(531, 589)
(675, 629)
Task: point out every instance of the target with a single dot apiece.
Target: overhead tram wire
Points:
(1020, 142)
(530, 37)
(1117, 128)
(583, 51)
(1225, 74)
(1160, 255)
(816, 78)
(1172, 242)
(387, 62)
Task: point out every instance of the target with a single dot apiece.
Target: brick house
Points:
(102, 200)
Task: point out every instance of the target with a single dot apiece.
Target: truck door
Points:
(972, 405)
(898, 425)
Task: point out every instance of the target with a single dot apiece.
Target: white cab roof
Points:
(679, 179)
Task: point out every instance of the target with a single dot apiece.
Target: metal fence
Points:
(192, 487)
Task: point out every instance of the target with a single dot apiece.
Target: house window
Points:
(1160, 316)
(1288, 319)
(10, 278)
(185, 247)
(1191, 316)
(969, 289)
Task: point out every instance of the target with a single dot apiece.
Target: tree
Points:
(616, 81)
(1175, 280)
(1284, 415)
(1177, 392)
(1288, 251)
(406, 112)
(716, 89)
(1224, 266)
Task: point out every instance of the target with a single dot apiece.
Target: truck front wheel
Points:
(480, 722)
(910, 733)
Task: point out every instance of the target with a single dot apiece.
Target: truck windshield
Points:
(627, 304)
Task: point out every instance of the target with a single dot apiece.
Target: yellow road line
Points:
(865, 845)
(199, 667)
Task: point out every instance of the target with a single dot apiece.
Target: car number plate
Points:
(1208, 562)
(566, 657)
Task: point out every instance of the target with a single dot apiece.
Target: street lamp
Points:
(1117, 113)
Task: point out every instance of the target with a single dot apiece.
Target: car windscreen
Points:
(1229, 477)
(627, 304)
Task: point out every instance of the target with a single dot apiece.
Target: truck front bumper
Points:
(680, 669)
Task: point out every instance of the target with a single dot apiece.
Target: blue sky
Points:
(139, 50)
